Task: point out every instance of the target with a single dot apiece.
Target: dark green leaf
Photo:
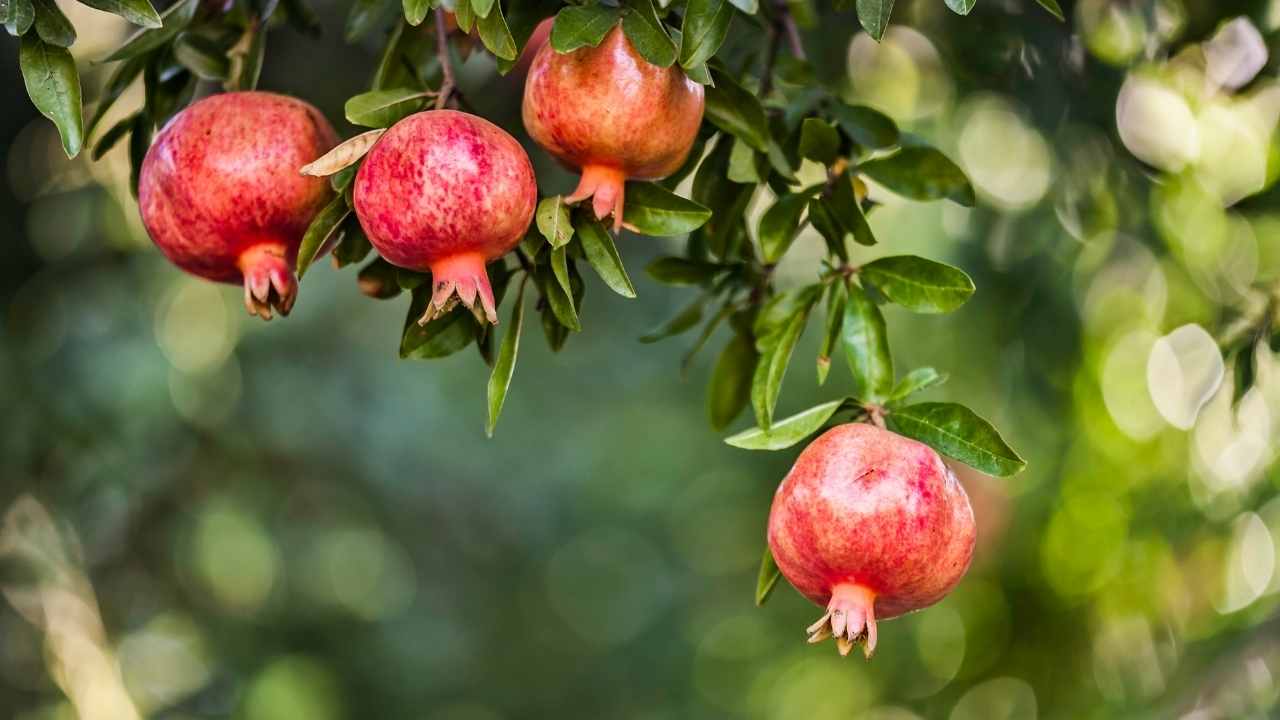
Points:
(1053, 8)
(246, 59)
(52, 26)
(918, 284)
(647, 34)
(553, 221)
(384, 108)
(706, 25)
(138, 12)
(767, 578)
(559, 300)
(598, 246)
(560, 268)
(582, 26)
(957, 432)
(202, 57)
(874, 16)
(378, 279)
(727, 200)
(496, 36)
(22, 15)
(779, 310)
(835, 322)
(173, 21)
(921, 173)
(729, 390)
(866, 346)
(961, 7)
(49, 72)
(653, 210)
(915, 381)
(321, 233)
(439, 338)
(139, 142)
(819, 141)
(780, 224)
(355, 246)
(683, 271)
(391, 70)
(766, 383)
(787, 432)
(112, 136)
(845, 208)
(700, 74)
(684, 320)
(505, 365)
(415, 11)
(731, 108)
(822, 220)
(302, 17)
(869, 128)
(364, 16)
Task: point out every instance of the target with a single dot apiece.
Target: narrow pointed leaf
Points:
(866, 346)
(957, 432)
(1054, 9)
(49, 73)
(874, 16)
(505, 364)
(766, 383)
(705, 27)
(384, 108)
(647, 34)
(921, 173)
(868, 127)
(495, 34)
(346, 154)
(654, 210)
(582, 26)
(553, 221)
(321, 233)
(729, 390)
(918, 284)
(836, 299)
(138, 12)
(602, 253)
(767, 578)
(787, 432)
(730, 107)
(913, 382)
(780, 224)
(172, 21)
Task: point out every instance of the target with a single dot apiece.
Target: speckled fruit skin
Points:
(446, 191)
(614, 115)
(869, 524)
(221, 195)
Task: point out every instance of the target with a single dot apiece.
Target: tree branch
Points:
(447, 84)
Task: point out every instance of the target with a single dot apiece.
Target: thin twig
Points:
(793, 32)
(446, 66)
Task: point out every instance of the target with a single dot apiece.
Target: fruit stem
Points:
(446, 65)
(268, 279)
(850, 618)
(606, 186)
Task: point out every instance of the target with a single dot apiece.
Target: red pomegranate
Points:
(446, 191)
(870, 525)
(221, 195)
(614, 115)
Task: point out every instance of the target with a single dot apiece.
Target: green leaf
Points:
(706, 25)
(364, 16)
(496, 36)
(778, 311)
(766, 383)
(602, 253)
(138, 12)
(379, 279)
(439, 338)
(582, 26)
(202, 57)
(505, 365)
(113, 135)
(767, 578)
(920, 285)
(560, 268)
(49, 72)
(819, 141)
(52, 26)
(482, 8)
(729, 389)
(836, 299)
(1053, 8)
(845, 208)
(384, 108)
(684, 320)
(172, 21)
(683, 271)
(822, 220)
(727, 200)
(874, 16)
(647, 34)
(21, 16)
(321, 233)
(750, 7)
(744, 164)
(700, 74)
(355, 246)
(780, 224)
(866, 346)
(731, 108)
(915, 381)
(957, 432)
(465, 16)
(785, 433)
(415, 11)
(553, 222)
(139, 143)
(869, 128)
(921, 173)
(961, 7)
(654, 210)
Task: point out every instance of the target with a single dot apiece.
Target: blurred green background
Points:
(228, 518)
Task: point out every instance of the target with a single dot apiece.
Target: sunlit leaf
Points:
(957, 432)
(582, 26)
(787, 432)
(913, 382)
(384, 108)
(919, 284)
(553, 221)
(654, 210)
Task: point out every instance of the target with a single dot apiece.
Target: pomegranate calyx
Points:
(850, 618)
(606, 187)
(461, 278)
(269, 281)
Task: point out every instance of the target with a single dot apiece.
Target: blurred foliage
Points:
(288, 521)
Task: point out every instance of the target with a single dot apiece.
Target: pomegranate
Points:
(870, 525)
(446, 191)
(221, 195)
(612, 114)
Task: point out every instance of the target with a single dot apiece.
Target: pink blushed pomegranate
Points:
(869, 525)
(221, 196)
(447, 191)
(612, 114)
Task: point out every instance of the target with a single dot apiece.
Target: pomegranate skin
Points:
(612, 114)
(869, 524)
(446, 191)
(221, 196)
